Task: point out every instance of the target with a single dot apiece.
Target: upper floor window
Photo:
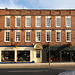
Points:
(7, 36)
(58, 35)
(27, 35)
(68, 35)
(58, 21)
(17, 36)
(38, 21)
(7, 21)
(38, 36)
(48, 35)
(68, 21)
(17, 21)
(28, 21)
(48, 21)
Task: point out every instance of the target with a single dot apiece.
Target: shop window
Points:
(65, 56)
(23, 56)
(7, 56)
(54, 56)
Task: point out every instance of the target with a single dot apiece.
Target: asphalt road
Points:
(30, 71)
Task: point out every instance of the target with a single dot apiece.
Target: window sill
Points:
(17, 41)
(27, 41)
(68, 41)
(6, 41)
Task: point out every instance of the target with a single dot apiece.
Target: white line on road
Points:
(30, 71)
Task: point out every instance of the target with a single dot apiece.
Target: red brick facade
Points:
(33, 13)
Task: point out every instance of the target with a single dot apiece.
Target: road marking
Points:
(30, 71)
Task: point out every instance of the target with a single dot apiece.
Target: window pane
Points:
(68, 22)
(17, 36)
(18, 21)
(38, 36)
(48, 38)
(58, 22)
(28, 22)
(7, 22)
(27, 36)
(38, 22)
(68, 36)
(48, 22)
(58, 36)
(7, 34)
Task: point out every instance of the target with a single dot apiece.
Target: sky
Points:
(37, 4)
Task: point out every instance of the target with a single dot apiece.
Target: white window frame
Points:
(46, 21)
(46, 35)
(36, 35)
(60, 21)
(36, 20)
(5, 20)
(25, 35)
(56, 35)
(15, 35)
(66, 21)
(16, 21)
(70, 35)
(5, 35)
(26, 21)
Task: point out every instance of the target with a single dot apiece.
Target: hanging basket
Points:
(16, 45)
(70, 45)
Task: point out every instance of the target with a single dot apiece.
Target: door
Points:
(38, 55)
(73, 56)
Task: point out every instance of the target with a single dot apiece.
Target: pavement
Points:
(30, 65)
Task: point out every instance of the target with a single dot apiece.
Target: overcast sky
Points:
(37, 4)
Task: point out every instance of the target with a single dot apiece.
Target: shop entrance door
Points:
(73, 56)
(38, 56)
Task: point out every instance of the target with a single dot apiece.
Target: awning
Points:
(61, 47)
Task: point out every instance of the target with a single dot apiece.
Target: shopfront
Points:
(59, 54)
(17, 54)
(21, 54)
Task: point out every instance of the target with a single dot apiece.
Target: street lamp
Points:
(49, 44)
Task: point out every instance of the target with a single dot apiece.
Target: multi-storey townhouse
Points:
(25, 35)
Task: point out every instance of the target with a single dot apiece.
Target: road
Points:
(52, 70)
(30, 71)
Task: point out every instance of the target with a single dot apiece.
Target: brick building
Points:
(25, 35)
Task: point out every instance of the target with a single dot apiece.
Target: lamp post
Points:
(49, 44)
(49, 52)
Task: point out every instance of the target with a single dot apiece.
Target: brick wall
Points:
(34, 13)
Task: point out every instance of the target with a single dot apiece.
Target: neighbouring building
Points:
(25, 35)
